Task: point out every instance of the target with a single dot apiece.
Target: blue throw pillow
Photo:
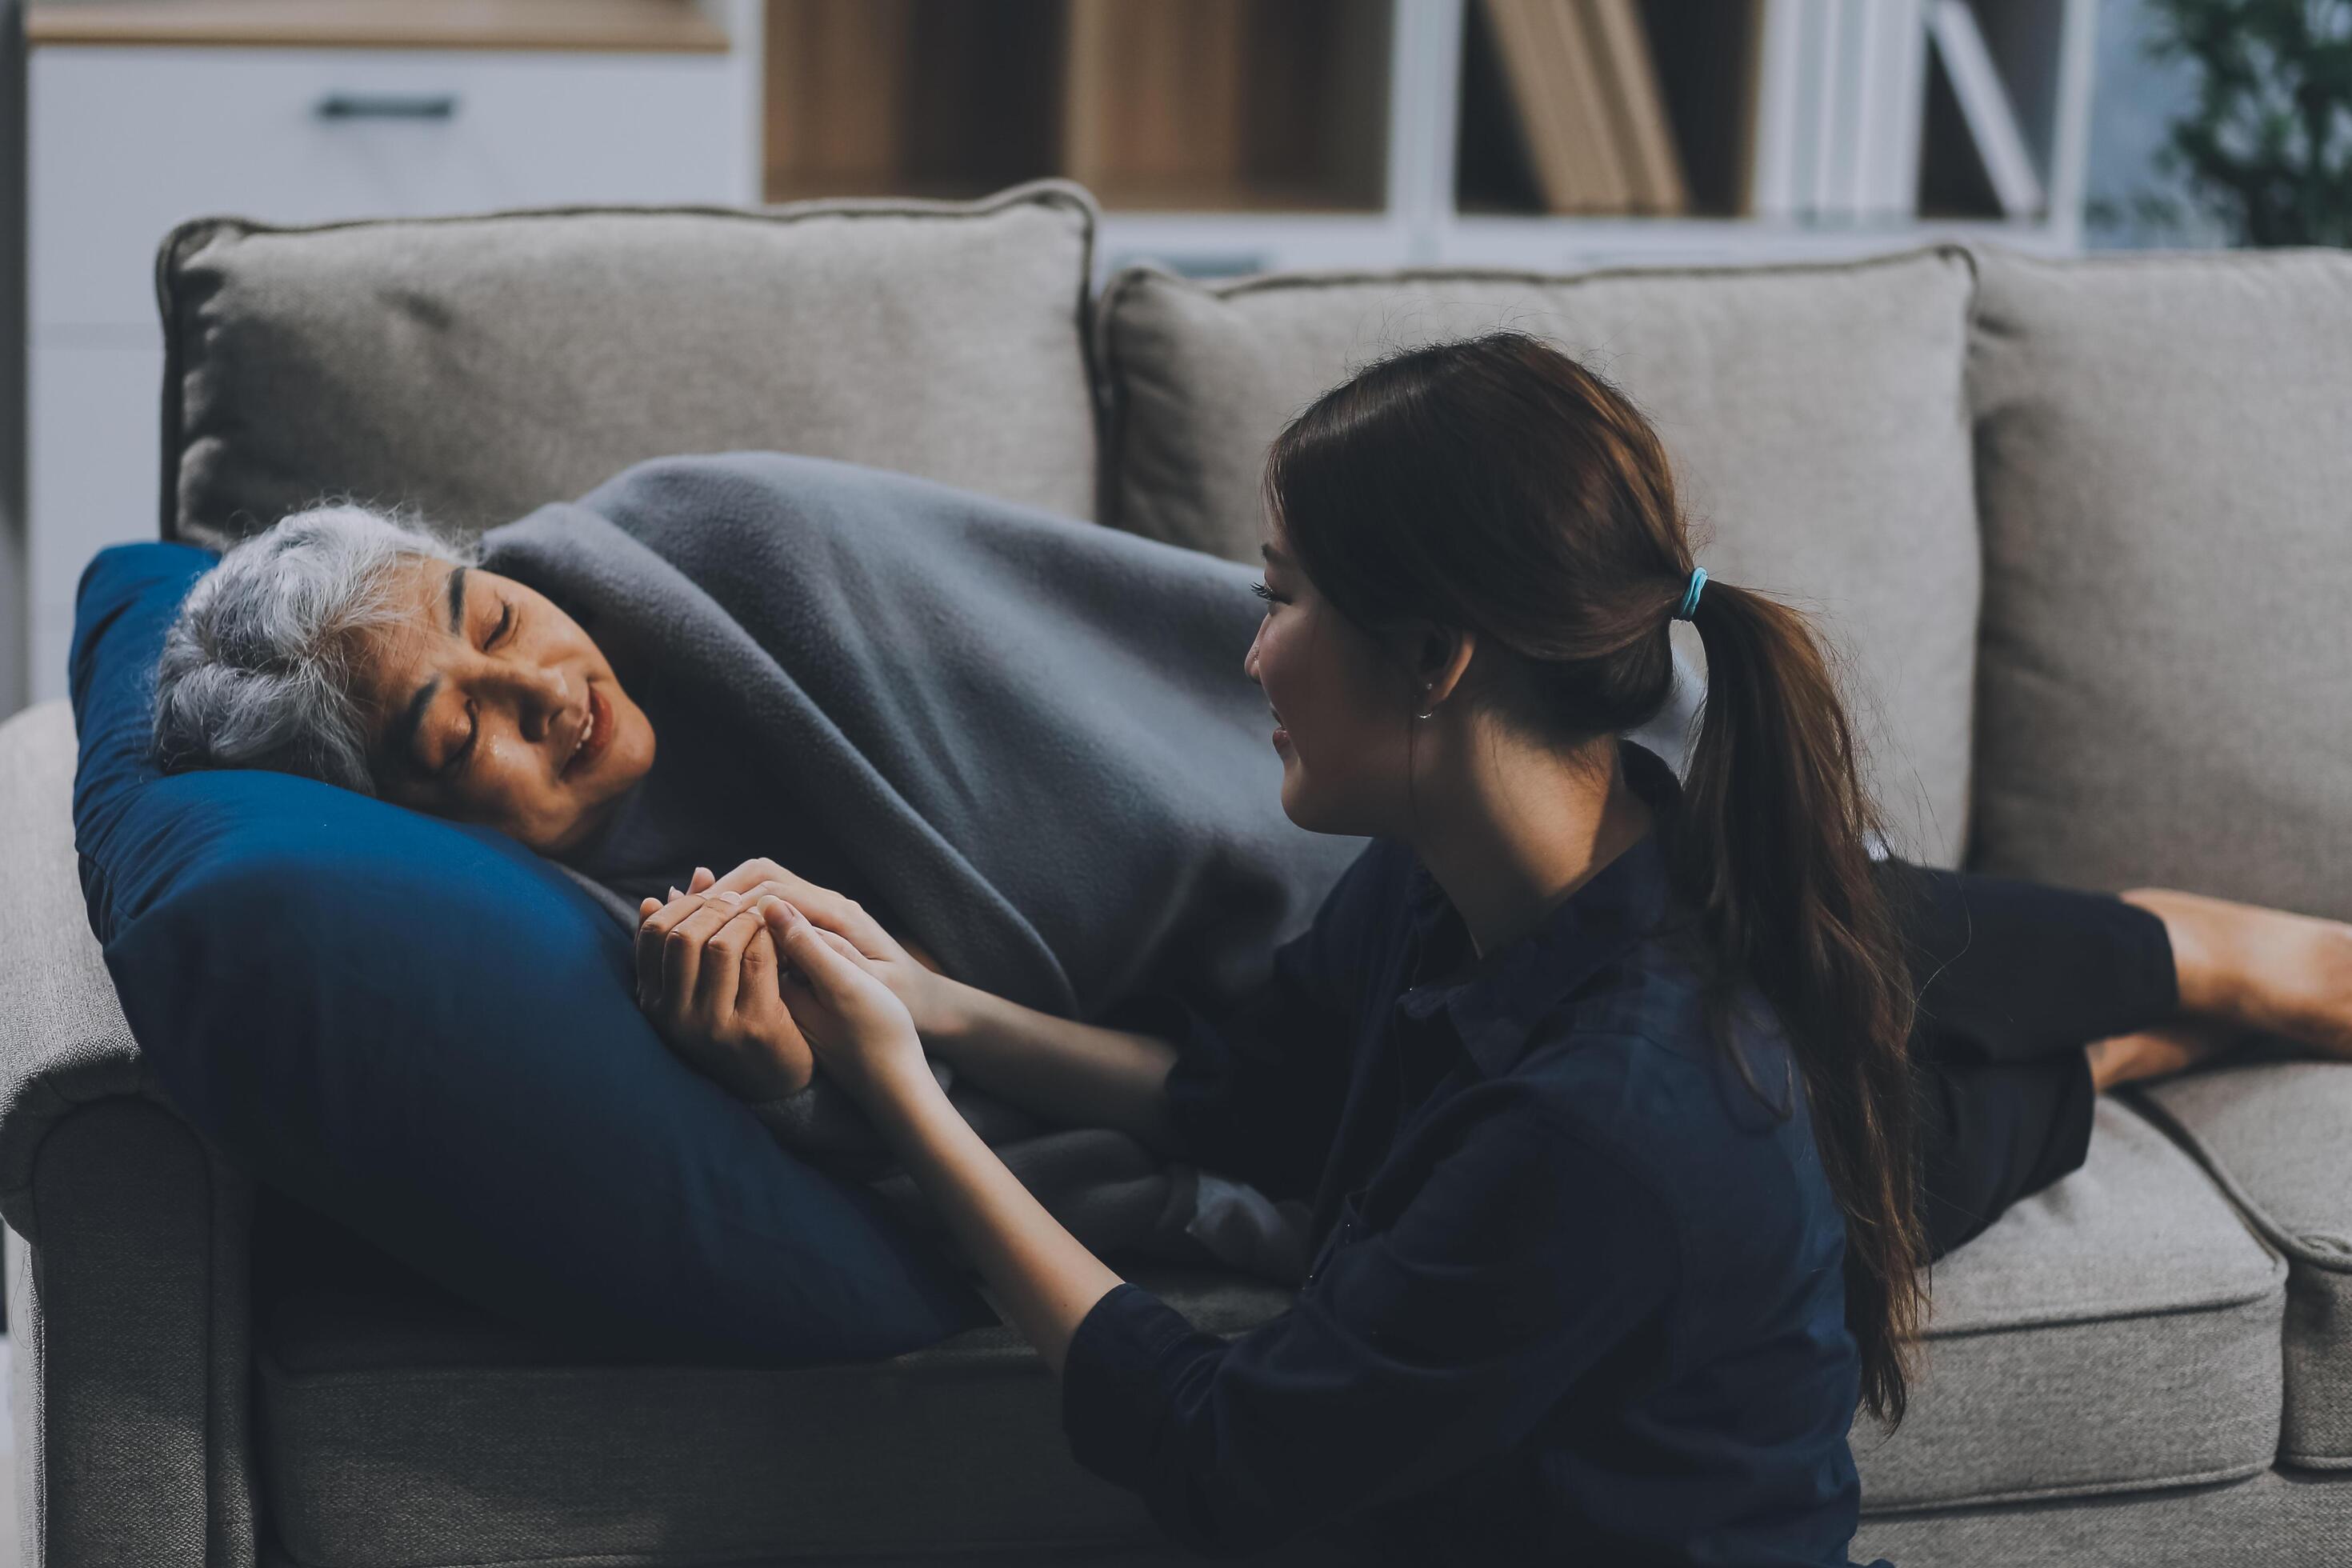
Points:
(429, 1032)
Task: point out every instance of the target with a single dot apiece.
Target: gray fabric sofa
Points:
(2081, 526)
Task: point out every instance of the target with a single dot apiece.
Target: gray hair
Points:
(257, 671)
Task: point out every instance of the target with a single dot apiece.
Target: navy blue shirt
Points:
(1579, 1295)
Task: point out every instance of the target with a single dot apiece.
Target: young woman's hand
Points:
(708, 973)
(928, 995)
(860, 1032)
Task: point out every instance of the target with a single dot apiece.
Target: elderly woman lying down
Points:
(375, 653)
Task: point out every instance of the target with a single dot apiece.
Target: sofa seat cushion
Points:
(479, 366)
(1814, 414)
(2114, 1333)
(2117, 1332)
(399, 1426)
(2162, 470)
(2277, 1136)
(2279, 1519)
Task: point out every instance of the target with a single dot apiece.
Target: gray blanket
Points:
(1029, 735)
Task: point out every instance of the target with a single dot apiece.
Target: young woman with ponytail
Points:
(1630, 1108)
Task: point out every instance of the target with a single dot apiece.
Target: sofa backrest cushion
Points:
(1814, 413)
(429, 1034)
(476, 367)
(2165, 478)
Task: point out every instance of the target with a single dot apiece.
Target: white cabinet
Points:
(125, 141)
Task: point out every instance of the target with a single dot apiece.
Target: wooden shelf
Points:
(630, 25)
(1544, 243)
(1349, 133)
(1129, 196)
(1134, 194)
(1247, 105)
(943, 98)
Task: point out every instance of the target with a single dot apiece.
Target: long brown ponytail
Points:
(1499, 485)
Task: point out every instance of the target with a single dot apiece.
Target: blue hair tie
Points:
(1690, 600)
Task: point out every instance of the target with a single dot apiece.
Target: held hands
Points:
(743, 985)
(708, 978)
(912, 977)
(858, 1029)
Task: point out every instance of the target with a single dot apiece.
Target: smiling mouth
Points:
(595, 733)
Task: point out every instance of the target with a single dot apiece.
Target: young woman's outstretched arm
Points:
(1073, 1074)
(1044, 1279)
(1255, 1093)
(1078, 1075)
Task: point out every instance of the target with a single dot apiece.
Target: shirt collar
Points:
(1495, 1005)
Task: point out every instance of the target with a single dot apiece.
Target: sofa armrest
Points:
(128, 1252)
(63, 1040)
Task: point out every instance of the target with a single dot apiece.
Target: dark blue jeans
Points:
(2014, 978)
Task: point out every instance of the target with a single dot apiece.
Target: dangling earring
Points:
(1427, 686)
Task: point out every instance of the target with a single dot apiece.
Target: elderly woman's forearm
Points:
(1073, 1074)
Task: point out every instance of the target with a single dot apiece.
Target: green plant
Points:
(2267, 150)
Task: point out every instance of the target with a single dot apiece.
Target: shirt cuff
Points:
(1115, 1402)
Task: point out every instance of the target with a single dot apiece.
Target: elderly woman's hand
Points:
(930, 999)
(708, 976)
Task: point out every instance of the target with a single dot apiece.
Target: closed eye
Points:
(1263, 591)
(456, 762)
